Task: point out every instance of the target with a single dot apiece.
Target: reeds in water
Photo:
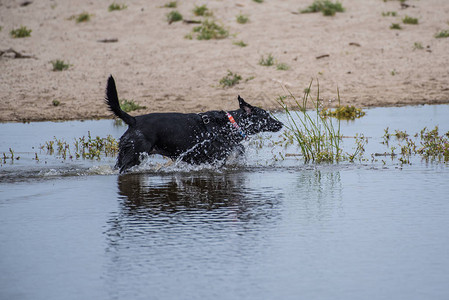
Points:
(316, 135)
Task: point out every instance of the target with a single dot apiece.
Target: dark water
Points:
(261, 229)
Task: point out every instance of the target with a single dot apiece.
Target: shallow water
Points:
(258, 229)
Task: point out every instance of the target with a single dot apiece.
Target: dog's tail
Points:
(114, 105)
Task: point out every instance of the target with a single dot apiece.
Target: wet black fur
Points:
(194, 138)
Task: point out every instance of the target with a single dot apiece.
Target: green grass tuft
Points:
(442, 34)
(21, 32)
(269, 61)
(282, 66)
(230, 79)
(240, 43)
(344, 113)
(210, 30)
(409, 20)
(395, 26)
(242, 19)
(174, 16)
(171, 4)
(116, 6)
(389, 13)
(83, 17)
(130, 105)
(202, 11)
(327, 7)
(59, 65)
(314, 134)
(418, 46)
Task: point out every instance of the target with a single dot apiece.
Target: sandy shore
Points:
(156, 66)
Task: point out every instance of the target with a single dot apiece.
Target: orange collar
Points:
(236, 126)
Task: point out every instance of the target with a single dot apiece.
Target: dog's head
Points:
(254, 119)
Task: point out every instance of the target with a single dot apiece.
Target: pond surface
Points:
(258, 229)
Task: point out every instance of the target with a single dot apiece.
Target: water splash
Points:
(102, 170)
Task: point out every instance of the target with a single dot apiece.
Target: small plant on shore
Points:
(130, 105)
(171, 4)
(442, 34)
(395, 26)
(202, 11)
(417, 46)
(344, 112)
(410, 20)
(282, 67)
(269, 61)
(83, 17)
(20, 32)
(59, 65)
(328, 8)
(55, 102)
(258, 1)
(389, 13)
(174, 16)
(116, 6)
(240, 43)
(230, 79)
(242, 19)
(209, 30)
(250, 78)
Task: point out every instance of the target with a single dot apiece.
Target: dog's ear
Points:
(245, 106)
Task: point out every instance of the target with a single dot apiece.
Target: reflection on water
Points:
(201, 232)
(321, 192)
(226, 192)
(181, 191)
(174, 229)
(149, 202)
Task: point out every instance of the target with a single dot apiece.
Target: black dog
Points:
(194, 138)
